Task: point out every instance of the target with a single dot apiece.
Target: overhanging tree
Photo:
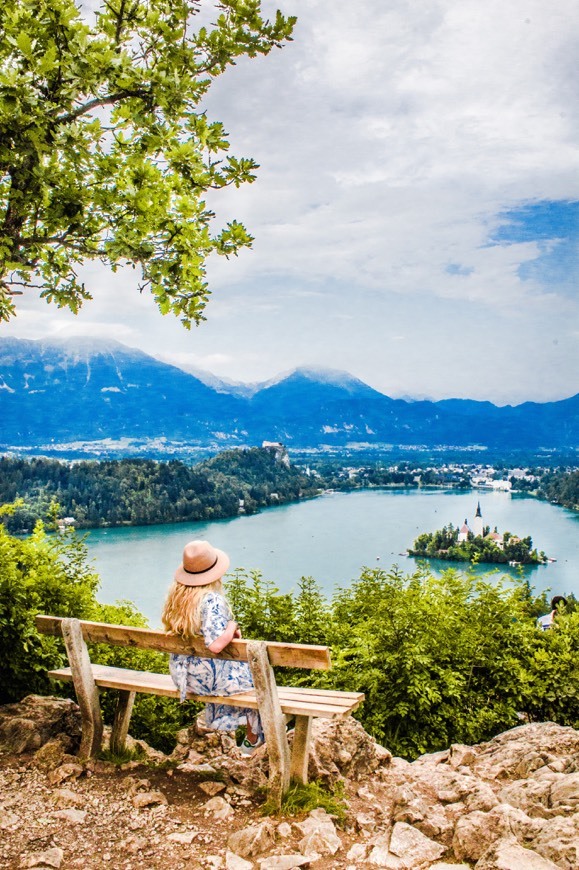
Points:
(105, 152)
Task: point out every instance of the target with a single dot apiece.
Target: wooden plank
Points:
(293, 702)
(86, 691)
(314, 695)
(301, 749)
(292, 655)
(303, 690)
(272, 720)
(121, 720)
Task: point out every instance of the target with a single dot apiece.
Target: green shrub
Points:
(454, 658)
(40, 574)
(49, 573)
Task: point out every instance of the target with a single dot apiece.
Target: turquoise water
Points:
(331, 538)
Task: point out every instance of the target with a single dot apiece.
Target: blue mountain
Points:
(85, 390)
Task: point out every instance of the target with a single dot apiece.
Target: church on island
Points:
(477, 529)
(475, 542)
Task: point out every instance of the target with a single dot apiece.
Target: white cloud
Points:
(391, 137)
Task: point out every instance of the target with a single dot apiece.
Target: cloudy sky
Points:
(416, 213)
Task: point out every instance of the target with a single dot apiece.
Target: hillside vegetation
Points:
(139, 492)
(450, 659)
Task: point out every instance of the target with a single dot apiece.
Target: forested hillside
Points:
(561, 488)
(142, 492)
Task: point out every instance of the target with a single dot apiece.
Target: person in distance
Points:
(546, 621)
(195, 605)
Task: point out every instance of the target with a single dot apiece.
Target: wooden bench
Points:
(275, 704)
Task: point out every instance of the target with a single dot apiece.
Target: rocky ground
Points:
(509, 804)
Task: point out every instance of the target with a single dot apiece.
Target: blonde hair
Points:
(182, 611)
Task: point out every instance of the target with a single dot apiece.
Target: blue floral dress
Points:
(203, 676)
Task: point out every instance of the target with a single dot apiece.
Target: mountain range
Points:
(85, 390)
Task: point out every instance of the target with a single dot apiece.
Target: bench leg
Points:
(87, 693)
(123, 711)
(301, 749)
(272, 719)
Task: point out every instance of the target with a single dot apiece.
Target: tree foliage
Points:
(142, 491)
(452, 658)
(105, 152)
(561, 487)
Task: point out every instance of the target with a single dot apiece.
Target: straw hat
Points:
(202, 564)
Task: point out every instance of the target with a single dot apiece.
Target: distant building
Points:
(477, 524)
(463, 532)
(497, 539)
(281, 454)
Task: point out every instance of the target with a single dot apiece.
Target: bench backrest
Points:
(289, 655)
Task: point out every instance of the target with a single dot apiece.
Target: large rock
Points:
(29, 724)
(320, 835)
(517, 753)
(413, 848)
(509, 855)
(558, 840)
(564, 794)
(253, 840)
(341, 748)
(476, 832)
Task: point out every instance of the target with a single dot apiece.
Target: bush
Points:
(49, 573)
(441, 659)
(455, 658)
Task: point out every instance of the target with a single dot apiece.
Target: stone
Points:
(413, 847)
(476, 832)
(253, 840)
(66, 797)
(565, 793)
(531, 796)
(64, 772)
(49, 756)
(341, 748)
(9, 821)
(558, 840)
(482, 797)
(365, 822)
(459, 755)
(197, 769)
(212, 788)
(149, 799)
(52, 857)
(235, 862)
(285, 862)
(358, 853)
(32, 722)
(502, 756)
(507, 854)
(441, 865)
(473, 835)
(185, 838)
(319, 834)
(75, 817)
(218, 808)
(284, 830)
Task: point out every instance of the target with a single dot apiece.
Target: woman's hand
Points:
(237, 632)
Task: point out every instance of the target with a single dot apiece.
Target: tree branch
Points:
(99, 101)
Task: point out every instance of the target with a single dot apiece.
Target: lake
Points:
(331, 538)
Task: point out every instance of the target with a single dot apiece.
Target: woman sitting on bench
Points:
(195, 606)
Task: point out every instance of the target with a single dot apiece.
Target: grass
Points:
(122, 757)
(302, 798)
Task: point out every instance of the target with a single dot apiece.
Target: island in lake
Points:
(476, 543)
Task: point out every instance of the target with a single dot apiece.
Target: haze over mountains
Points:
(86, 390)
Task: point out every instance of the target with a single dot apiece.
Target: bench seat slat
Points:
(294, 701)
